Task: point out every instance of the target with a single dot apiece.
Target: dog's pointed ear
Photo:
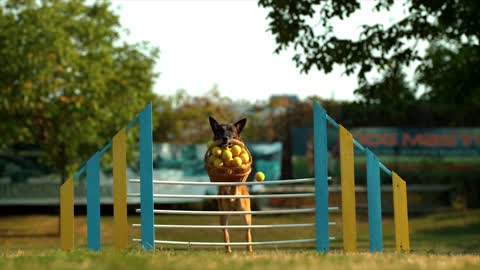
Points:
(240, 124)
(213, 124)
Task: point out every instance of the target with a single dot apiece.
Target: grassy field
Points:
(440, 241)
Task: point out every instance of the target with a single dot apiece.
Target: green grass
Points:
(448, 240)
(218, 260)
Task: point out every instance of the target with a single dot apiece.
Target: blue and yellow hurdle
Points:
(92, 171)
(321, 118)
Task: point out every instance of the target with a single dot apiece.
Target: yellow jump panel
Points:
(66, 215)
(120, 223)
(348, 191)
(402, 240)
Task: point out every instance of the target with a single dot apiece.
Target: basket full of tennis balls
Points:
(228, 164)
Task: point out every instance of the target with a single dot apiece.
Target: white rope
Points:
(165, 226)
(263, 212)
(290, 195)
(309, 240)
(286, 181)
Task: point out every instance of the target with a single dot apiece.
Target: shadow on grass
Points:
(464, 238)
(5, 233)
(29, 235)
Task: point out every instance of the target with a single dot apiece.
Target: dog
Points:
(223, 134)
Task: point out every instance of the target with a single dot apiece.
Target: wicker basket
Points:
(228, 174)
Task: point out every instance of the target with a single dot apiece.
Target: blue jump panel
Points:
(146, 179)
(93, 202)
(321, 178)
(374, 203)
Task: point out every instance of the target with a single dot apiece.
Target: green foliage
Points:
(184, 119)
(260, 124)
(377, 45)
(67, 81)
(308, 27)
(451, 75)
(389, 97)
(392, 89)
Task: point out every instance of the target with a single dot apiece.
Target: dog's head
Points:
(224, 133)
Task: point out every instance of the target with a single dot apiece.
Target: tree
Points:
(68, 83)
(184, 118)
(165, 128)
(391, 89)
(451, 75)
(384, 101)
(377, 46)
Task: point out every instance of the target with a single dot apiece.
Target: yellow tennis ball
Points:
(217, 151)
(237, 162)
(211, 159)
(209, 143)
(236, 150)
(228, 162)
(259, 176)
(244, 166)
(217, 163)
(245, 158)
(226, 155)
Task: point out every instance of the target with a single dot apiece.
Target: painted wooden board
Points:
(402, 239)
(348, 190)
(93, 202)
(120, 222)
(374, 203)
(66, 215)
(321, 179)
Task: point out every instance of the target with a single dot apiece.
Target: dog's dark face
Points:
(224, 133)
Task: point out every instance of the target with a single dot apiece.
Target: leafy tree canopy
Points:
(68, 82)
(378, 47)
(452, 75)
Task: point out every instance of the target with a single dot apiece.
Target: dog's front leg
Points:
(248, 221)
(226, 236)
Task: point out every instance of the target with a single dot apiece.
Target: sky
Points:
(226, 43)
